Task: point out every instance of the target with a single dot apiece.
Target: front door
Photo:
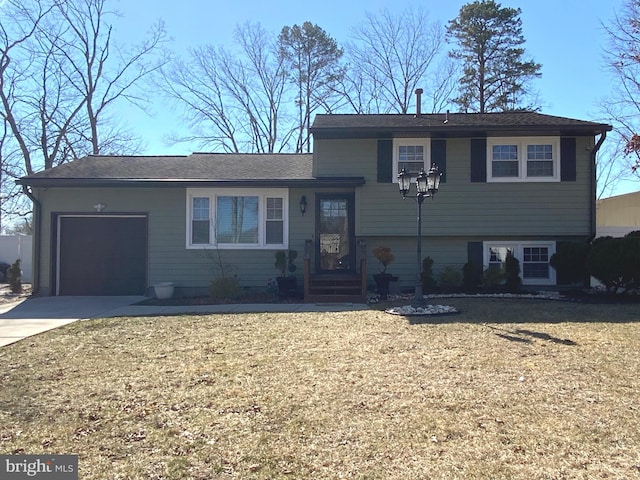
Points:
(335, 250)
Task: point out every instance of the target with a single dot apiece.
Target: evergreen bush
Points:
(512, 273)
(14, 274)
(450, 278)
(615, 262)
(471, 276)
(570, 262)
(428, 282)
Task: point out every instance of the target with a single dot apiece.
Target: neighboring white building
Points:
(13, 247)
(619, 215)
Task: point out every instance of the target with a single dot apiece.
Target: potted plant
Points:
(382, 279)
(287, 284)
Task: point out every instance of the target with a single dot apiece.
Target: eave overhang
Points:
(319, 182)
(457, 131)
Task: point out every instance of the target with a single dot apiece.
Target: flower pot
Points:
(163, 290)
(287, 286)
(382, 284)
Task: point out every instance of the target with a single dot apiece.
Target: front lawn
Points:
(508, 389)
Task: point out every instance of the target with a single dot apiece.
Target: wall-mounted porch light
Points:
(303, 204)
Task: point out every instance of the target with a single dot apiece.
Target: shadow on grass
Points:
(528, 336)
(511, 338)
(501, 311)
(545, 336)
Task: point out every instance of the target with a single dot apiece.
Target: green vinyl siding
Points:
(461, 212)
(336, 158)
(168, 258)
(462, 207)
(446, 252)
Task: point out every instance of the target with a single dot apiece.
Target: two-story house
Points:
(519, 182)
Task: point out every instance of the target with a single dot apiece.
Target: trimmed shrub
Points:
(226, 288)
(14, 274)
(450, 278)
(615, 262)
(503, 277)
(570, 262)
(492, 278)
(471, 276)
(512, 273)
(428, 283)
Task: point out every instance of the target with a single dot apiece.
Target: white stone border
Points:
(447, 310)
(408, 310)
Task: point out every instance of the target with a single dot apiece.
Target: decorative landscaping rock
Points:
(426, 310)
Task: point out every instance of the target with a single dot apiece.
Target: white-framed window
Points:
(525, 159)
(237, 218)
(533, 256)
(412, 154)
(497, 254)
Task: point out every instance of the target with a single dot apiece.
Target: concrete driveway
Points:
(35, 315)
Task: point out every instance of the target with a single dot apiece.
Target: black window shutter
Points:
(475, 257)
(568, 159)
(479, 160)
(439, 156)
(385, 161)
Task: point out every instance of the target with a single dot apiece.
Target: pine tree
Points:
(314, 59)
(495, 74)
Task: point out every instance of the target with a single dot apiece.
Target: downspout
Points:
(37, 211)
(594, 152)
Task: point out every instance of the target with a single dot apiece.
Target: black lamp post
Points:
(427, 185)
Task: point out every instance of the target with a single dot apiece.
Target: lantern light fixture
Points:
(427, 185)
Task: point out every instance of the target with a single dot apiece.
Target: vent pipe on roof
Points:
(446, 118)
(419, 102)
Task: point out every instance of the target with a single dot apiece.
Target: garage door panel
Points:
(103, 255)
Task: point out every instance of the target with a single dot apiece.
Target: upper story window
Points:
(230, 218)
(530, 159)
(412, 154)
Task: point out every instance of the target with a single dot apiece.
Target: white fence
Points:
(13, 247)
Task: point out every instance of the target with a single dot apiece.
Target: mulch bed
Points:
(208, 300)
(577, 295)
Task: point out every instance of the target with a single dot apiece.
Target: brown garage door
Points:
(102, 255)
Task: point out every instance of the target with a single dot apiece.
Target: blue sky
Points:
(565, 36)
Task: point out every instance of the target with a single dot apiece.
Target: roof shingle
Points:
(287, 169)
(444, 122)
(198, 166)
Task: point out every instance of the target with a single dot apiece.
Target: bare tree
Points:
(609, 169)
(622, 108)
(100, 70)
(390, 56)
(60, 73)
(232, 99)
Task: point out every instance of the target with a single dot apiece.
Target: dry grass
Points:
(511, 389)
